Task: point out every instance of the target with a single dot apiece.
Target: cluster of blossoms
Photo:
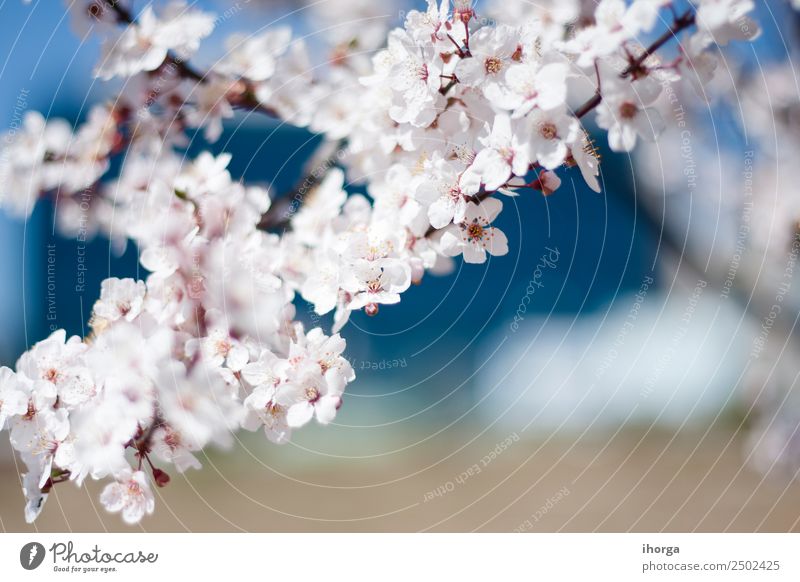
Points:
(145, 384)
(438, 119)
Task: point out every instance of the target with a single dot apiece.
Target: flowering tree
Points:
(440, 119)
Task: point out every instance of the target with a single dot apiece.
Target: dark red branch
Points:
(636, 66)
(246, 100)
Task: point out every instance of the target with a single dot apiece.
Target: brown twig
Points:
(284, 206)
(635, 66)
(246, 100)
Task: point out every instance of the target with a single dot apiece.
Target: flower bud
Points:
(160, 477)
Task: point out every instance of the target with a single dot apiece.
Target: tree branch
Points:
(635, 67)
(280, 214)
(245, 100)
(286, 205)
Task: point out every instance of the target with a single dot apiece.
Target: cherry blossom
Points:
(506, 152)
(120, 298)
(57, 364)
(551, 132)
(421, 128)
(267, 408)
(441, 189)
(475, 236)
(130, 494)
(625, 111)
(255, 57)
(13, 398)
(169, 446)
(144, 45)
(414, 78)
(615, 23)
(531, 84)
(493, 50)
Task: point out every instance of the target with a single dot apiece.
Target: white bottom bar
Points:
(402, 557)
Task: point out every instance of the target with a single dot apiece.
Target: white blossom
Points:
(13, 396)
(475, 236)
(143, 45)
(551, 134)
(130, 495)
(506, 152)
(255, 57)
(120, 298)
(442, 191)
(531, 84)
(626, 113)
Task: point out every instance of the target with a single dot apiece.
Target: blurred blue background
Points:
(443, 332)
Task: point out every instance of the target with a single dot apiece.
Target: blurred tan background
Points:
(629, 481)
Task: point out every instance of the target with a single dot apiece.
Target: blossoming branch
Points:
(440, 119)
